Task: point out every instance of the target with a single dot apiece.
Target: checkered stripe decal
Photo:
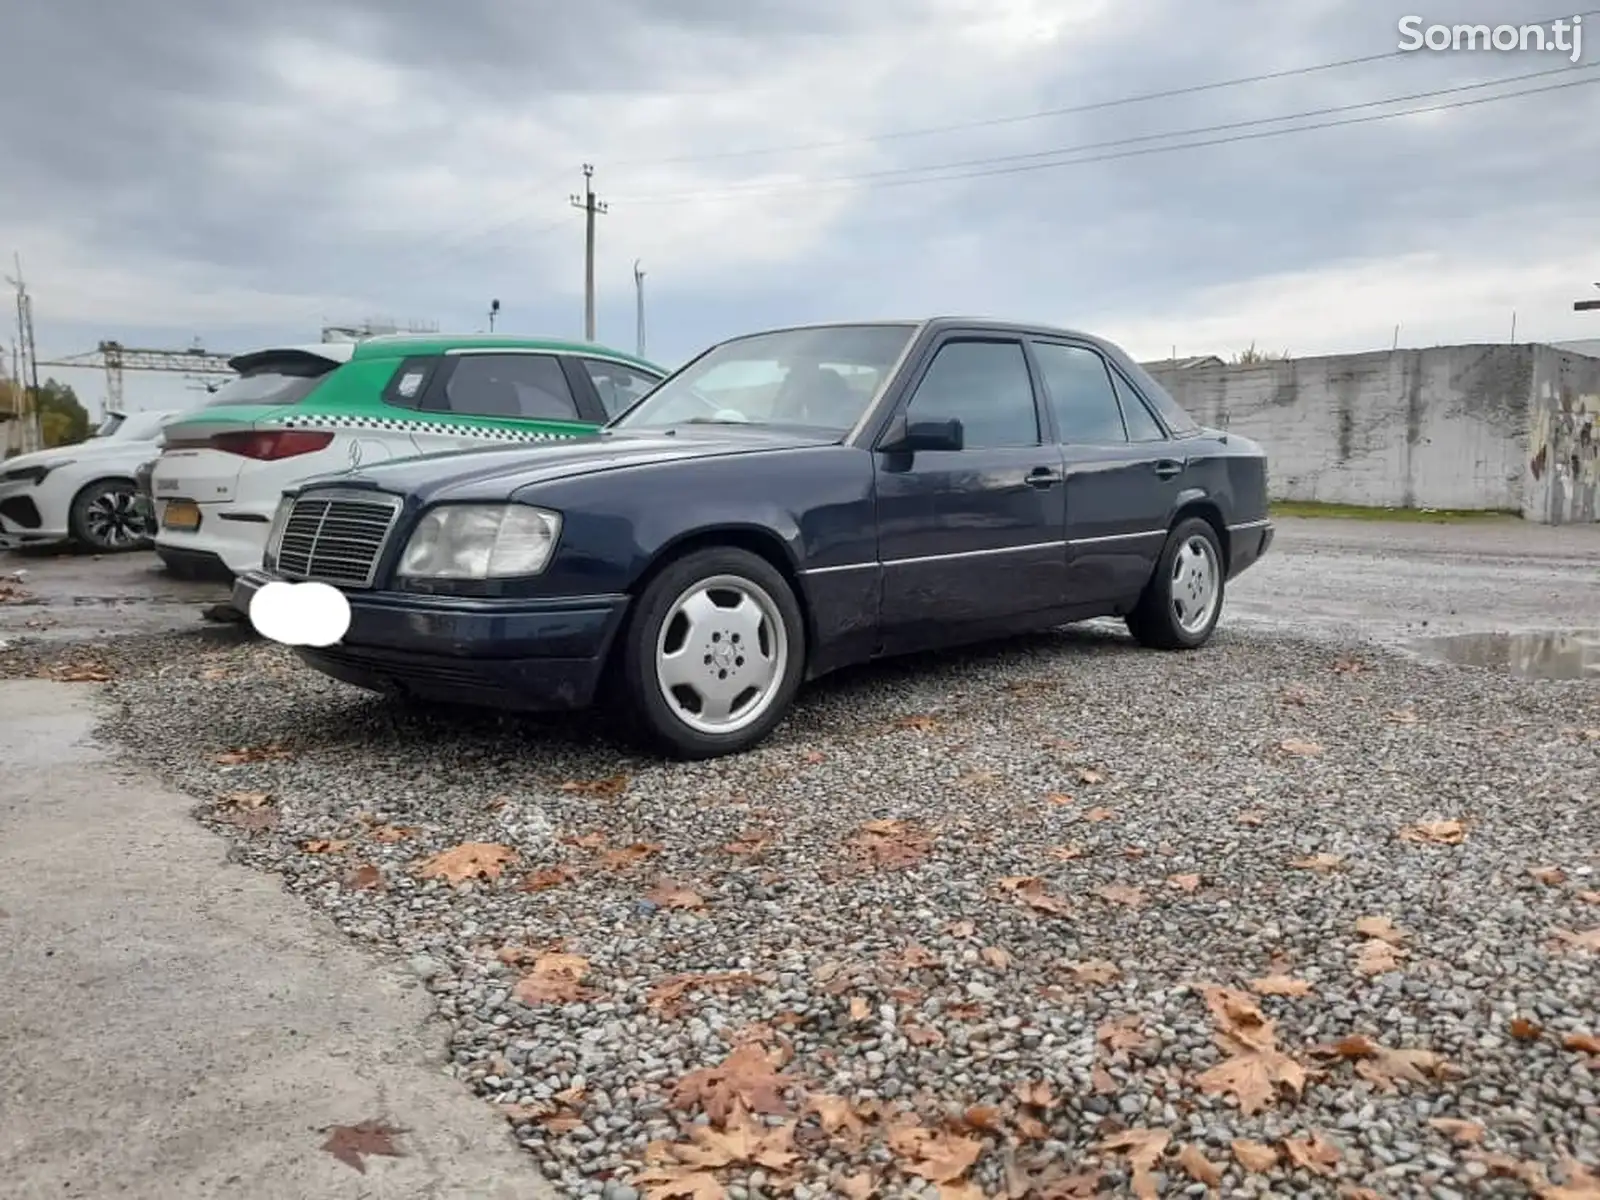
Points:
(488, 433)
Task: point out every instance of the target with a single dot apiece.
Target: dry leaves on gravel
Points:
(936, 1155)
(1279, 985)
(253, 754)
(890, 844)
(1030, 891)
(1254, 1070)
(1298, 748)
(1435, 833)
(1383, 1067)
(608, 788)
(469, 861)
(1588, 940)
(86, 672)
(749, 1078)
(1143, 1149)
(556, 978)
(1321, 863)
(667, 894)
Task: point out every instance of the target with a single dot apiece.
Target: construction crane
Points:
(114, 358)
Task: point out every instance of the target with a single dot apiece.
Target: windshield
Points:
(821, 378)
(108, 426)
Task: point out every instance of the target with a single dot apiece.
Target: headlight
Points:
(275, 533)
(481, 541)
(34, 475)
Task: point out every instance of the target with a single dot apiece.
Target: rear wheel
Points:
(105, 517)
(1183, 600)
(713, 654)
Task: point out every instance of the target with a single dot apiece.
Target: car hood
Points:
(93, 448)
(495, 473)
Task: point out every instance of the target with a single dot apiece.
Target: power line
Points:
(1034, 155)
(1048, 113)
(991, 167)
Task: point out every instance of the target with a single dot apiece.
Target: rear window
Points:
(274, 383)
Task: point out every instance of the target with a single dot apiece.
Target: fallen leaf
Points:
(1255, 1071)
(813, 757)
(750, 843)
(470, 860)
(935, 1155)
(1143, 1149)
(1589, 939)
(1377, 958)
(1381, 928)
(244, 799)
(1349, 666)
(1102, 1081)
(1435, 833)
(253, 820)
(1116, 893)
(668, 996)
(79, 673)
(365, 878)
(1066, 853)
(669, 895)
(1096, 971)
(963, 929)
(350, 1144)
(1321, 863)
(1314, 1153)
(1525, 1030)
(996, 956)
(607, 788)
(1099, 814)
(863, 1185)
(1585, 1043)
(983, 1118)
(1200, 1168)
(1299, 748)
(1402, 716)
(1551, 876)
(1059, 798)
(556, 978)
(976, 779)
(747, 1078)
(1465, 1133)
(1589, 897)
(1134, 853)
(627, 856)
(1582, 1183)
(920, 723)
(860, 1009)
(389, 834)
(680, 1183)
(1254, 1156)
(546, 878)
(891, 844)
(323, 846)
(1279, 985)
(1030, 891)
(1183, 883)
(1123, 1033)
(1085, 775)
(1251, 816)
(1385, 1067)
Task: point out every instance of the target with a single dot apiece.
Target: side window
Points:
(1081, 396)
(984, 385)
(619, 386)
(510, 386)
(1142, 427)
(409, 382)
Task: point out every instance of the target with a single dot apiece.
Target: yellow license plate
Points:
(181, 514)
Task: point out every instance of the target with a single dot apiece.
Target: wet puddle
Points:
(1574, 654)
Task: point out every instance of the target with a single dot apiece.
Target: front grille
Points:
(336, 538)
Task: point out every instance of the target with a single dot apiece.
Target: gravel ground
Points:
(1001, 923)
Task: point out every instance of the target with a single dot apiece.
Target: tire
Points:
(104, 517)
(1158, 620)
(663, 627)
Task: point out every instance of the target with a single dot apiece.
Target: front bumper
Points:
(528, 654)
(23, 519)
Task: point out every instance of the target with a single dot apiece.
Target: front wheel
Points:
(105, 517)
(713, 654)
(1182, 601)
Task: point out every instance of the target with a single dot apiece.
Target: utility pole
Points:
(638, 316)
(590, 206)
(28, 369)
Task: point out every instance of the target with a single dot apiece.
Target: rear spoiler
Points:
(296, 358)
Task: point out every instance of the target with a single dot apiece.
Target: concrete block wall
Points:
(1445, 427)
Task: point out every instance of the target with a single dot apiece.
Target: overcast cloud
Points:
(244, 173)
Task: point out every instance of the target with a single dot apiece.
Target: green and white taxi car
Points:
(293, 412)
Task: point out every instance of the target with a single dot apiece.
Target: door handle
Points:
(1043, 477)
(1168, 467)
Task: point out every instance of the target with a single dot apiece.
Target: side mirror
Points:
(907, 437)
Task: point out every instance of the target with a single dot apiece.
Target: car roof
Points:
(401, 345)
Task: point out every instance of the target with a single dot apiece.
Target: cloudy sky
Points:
(244, 173)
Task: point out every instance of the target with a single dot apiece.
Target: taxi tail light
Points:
(272, 445)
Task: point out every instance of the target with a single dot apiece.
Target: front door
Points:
(1123, 474)
(971, 539)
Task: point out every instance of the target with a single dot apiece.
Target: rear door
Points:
(971, 539)
(488, 398)
(1123, 474)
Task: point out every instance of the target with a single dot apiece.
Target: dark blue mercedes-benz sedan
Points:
(787, 503)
